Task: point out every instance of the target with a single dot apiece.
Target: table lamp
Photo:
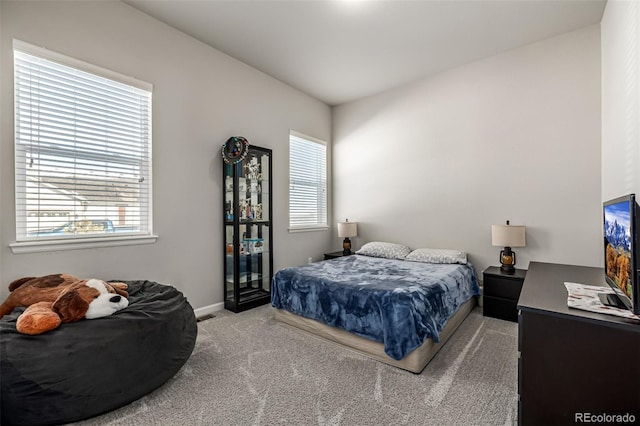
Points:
(508, 236)
(345, 230)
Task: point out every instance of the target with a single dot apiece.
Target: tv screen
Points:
(620, 242)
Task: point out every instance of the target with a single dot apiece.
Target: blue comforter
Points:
(395, 302)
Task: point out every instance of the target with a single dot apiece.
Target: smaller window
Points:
(307, 182)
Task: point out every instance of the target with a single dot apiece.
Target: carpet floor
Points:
(248, 369)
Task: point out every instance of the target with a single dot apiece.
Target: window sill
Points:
(23, 247)
(309, 229)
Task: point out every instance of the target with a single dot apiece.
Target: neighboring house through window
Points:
(82, 151)
(307, 183)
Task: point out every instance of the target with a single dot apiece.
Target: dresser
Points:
(573, 364)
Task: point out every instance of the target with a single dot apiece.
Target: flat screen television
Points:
(621, 253)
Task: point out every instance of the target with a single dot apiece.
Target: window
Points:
(307, 182)
(82, 150)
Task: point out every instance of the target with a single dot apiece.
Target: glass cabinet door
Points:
(248, 231)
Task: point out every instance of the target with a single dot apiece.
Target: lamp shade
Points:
(508, 236)
(347, 229)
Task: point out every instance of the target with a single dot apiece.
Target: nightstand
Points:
(500, 293)
(335, 255)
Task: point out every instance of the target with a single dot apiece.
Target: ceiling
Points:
(342, 50)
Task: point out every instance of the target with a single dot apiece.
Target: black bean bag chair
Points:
(89, 367)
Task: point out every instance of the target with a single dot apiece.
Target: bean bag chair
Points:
(89, 367)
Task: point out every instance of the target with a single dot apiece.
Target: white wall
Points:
(620, 99)
(201, 97)
(515, 136)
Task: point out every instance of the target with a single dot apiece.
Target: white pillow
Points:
(437, 256)
(386, 250)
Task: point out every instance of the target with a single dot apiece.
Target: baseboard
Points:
(206, 310)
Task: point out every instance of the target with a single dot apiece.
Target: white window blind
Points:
(82, 149)
(307, 182)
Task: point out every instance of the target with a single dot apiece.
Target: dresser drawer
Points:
(505, 288)
(499, 308)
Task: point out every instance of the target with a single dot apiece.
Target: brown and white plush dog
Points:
(54, 299)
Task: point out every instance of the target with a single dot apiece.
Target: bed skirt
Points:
(415, 361)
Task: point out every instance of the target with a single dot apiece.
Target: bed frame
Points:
(415, 361)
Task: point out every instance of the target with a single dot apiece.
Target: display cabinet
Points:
(248, 231)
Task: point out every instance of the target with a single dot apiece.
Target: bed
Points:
(398, 308)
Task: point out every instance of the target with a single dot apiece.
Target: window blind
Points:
(82, 149)
(307, 182)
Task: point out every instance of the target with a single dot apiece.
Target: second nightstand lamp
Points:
(508, 236)
(345, 230)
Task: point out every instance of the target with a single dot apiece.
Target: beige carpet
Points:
(248, 369)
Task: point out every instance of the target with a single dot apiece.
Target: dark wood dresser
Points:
(573, 364)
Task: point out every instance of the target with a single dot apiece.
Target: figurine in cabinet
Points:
(252, 169)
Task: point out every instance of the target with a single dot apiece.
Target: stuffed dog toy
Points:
(55, 299)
